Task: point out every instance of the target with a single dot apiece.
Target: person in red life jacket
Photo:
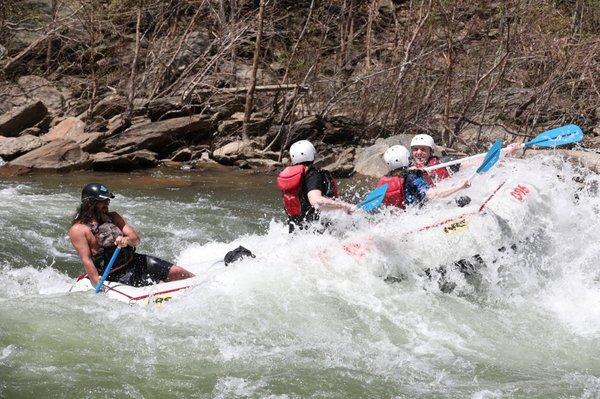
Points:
(306, 189)
(95, 234)
(422, 148)
(406, 187)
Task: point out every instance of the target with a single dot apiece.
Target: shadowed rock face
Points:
(162, 135)
(21, 118)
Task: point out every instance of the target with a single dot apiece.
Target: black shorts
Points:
(142, 270)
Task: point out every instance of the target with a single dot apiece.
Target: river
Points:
(307, 318)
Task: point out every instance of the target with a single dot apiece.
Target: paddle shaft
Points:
(551, 138)
(113, 258)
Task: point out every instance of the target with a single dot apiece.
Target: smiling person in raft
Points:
(407, 187)
(96, 232)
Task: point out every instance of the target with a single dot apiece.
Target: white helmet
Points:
(424, 140)
(302, 151)
(396, 157)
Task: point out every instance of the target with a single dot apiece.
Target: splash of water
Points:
(313, 314)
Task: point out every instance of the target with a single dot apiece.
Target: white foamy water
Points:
(313, 314)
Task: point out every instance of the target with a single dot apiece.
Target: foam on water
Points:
(311, 315)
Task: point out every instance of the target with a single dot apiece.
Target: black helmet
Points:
(96, 191)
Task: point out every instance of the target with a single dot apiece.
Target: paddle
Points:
(553, 138)
(107, 270)
(491, 157)
(373, 199)
(549, 139)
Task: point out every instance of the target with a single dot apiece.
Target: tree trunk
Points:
(368, 39)
(131, 94)
(250, 93)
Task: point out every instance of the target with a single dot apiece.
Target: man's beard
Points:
(99, 214)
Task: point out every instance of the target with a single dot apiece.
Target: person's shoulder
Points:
(311, 170)
(313, 173)
(79, 228)
(116, 218)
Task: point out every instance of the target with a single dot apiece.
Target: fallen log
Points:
(266, 88)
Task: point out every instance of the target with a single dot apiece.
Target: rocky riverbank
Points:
(117, 87)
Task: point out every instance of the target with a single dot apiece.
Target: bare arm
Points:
(437, 192)
(77, 234)
(130, 236)
(316, 199)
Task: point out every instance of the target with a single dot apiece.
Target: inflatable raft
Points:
(152, 294)
(434, 237)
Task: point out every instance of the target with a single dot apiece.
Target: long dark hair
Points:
(87, 212)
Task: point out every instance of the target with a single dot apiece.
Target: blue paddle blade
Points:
(553, 138)
(491, 157)
(373, 199)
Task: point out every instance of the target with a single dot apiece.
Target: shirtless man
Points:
(95, 234)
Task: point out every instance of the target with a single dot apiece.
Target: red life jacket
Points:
(394, 195)
(438, 174)
(289, 181)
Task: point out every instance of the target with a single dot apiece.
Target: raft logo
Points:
(520, 192)
(456, 226)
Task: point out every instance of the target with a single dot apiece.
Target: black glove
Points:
(463, 200)
(237, 254)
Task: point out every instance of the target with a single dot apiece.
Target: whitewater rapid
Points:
(312, 314)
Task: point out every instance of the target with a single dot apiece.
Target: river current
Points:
(374, 308)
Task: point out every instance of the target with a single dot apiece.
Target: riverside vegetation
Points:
(126, 84)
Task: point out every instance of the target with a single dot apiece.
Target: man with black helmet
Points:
(95, 233)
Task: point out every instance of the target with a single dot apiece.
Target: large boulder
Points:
(39, 89)
(20, 118)
(123, 163)
(59, 155)
(13, 147)
(234, 151)
(369, 160)
(342, 165)
(73, 129)
(161, 136)
(69, 129)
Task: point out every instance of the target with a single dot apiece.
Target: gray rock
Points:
(40, 89)
(13, 147)
(161, 136)
(369, 160)
(342, 166)
(20, 118)
(59, 155)
(236, 149)
(123, 163)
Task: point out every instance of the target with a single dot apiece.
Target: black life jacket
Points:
(105, 234)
